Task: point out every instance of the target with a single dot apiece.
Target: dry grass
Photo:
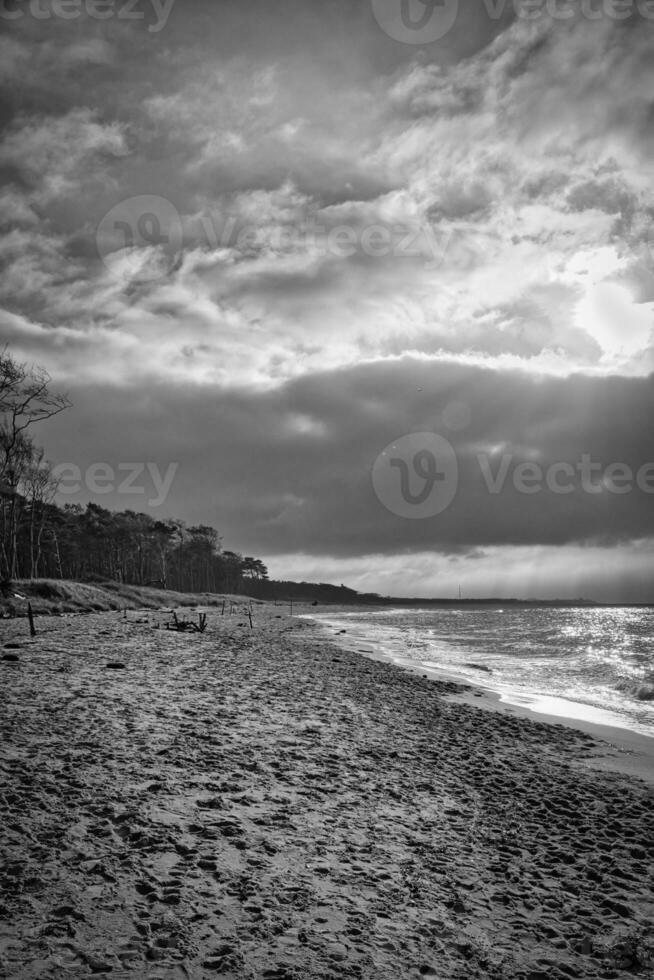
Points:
(53, 597)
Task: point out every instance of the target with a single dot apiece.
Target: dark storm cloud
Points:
(515, 155)
(290, 470)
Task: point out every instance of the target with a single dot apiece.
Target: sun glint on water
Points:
(593, 663)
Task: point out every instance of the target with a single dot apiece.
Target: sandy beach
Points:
(617, 748)
(261, 803)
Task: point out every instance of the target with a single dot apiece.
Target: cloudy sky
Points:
(294, 253)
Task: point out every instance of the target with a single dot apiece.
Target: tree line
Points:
(40, 539)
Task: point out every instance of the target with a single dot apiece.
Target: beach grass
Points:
(56, 596)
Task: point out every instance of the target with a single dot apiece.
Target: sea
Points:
(592, 664)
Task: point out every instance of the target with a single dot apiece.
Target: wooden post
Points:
(30, 616)
(250, 618)
(223, 612)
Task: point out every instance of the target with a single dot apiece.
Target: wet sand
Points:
(617, 749)
(261, 803)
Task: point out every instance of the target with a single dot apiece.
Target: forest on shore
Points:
(41, 539)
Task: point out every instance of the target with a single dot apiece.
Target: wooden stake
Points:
(250, 618)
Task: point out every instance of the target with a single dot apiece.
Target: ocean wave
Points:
(590, 657)
(639, 690)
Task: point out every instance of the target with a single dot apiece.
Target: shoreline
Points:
(258, 802)
(622, 750)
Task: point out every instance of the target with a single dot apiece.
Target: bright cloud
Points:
(331, 198)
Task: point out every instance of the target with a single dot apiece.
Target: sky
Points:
(366, 284)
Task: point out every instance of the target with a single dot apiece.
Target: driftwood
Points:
(187, 625)
(7, 590)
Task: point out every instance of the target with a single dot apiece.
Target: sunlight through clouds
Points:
(226, 208)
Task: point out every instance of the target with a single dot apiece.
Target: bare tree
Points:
(39, 486)
(25, 398)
